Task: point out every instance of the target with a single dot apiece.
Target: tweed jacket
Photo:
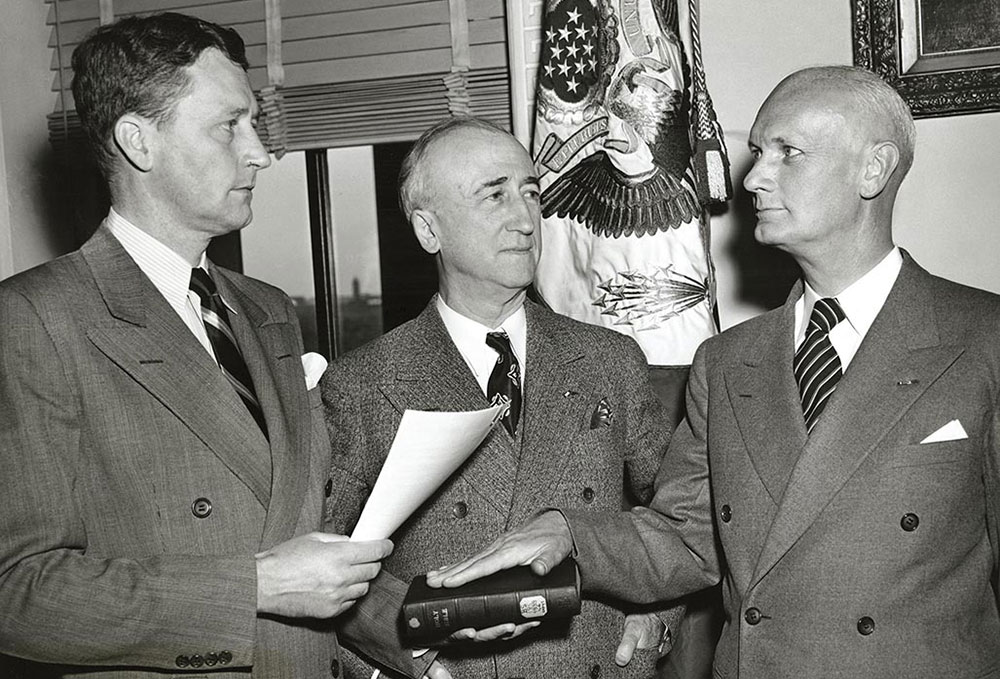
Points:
(859, 550)
(136, 486)
(565, 453)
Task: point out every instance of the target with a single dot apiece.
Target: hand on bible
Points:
(541, 542)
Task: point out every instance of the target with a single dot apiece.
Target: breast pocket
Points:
(926, 454)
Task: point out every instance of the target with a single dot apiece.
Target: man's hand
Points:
(542, 542)
(318, 575)
(642, 630)
(508, 630)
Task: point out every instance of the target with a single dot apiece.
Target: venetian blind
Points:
(355, 71)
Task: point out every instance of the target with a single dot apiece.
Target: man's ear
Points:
(882, 161)
(133, 137)
(424, 226)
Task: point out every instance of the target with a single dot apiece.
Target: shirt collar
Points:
(470, 336)
(167, 270)
(862, 299)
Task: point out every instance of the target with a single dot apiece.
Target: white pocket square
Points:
(953, 431)
(313, 365)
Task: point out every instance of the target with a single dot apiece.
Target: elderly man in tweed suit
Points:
(585, 430)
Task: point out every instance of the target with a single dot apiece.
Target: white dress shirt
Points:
(470, 338)
(169, 272)
(861, 302)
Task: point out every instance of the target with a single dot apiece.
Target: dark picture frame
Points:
(942, 56)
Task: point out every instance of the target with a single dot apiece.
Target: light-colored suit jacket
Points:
(114, 423)
(565, 454)
(858, 551)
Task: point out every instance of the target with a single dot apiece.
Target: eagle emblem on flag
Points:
(624, 243)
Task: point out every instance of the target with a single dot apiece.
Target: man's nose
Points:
(257, 155)
(526, 218)
(757, 178)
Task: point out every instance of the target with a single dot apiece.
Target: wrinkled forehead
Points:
(470, 155)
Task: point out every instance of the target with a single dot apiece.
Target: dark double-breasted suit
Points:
(591, 428)
(135, 485)
(860, 550)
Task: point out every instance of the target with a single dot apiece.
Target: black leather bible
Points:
(515, 595)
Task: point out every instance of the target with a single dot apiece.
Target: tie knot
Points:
(202, 284)
(499, 342)
(826, 314)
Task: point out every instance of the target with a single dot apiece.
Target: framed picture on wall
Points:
(943, 56)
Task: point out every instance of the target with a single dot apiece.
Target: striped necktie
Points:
(504, 385)
(227, 352)
(817, 366)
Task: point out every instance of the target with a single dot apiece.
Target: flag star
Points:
(572, 50)
(564, 34)
(581, 32)
(580, 66)
(563, 68)
(549, 70)
(574, 16)
(572, 84)
(588, 48)
(592, 64)
(550, 34)
(556, 51)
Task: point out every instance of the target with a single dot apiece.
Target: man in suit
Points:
(585, 429)
(857, 518)
(162, 465)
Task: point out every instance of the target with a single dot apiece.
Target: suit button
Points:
(588, 497)
(201, 507)
(909, 522)
(866, 626)
(225, 657)
(197, 660)
(182, 661)
(595, 671)
(752, 616)
(211, 659)
(460, 510)
(726, 513)
(328, 488)
(335, 667)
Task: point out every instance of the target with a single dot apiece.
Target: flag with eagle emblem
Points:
(624, 236)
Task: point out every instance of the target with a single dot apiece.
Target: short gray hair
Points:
(411, 185)
(874, 96)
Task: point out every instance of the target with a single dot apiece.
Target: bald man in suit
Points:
(841, 449)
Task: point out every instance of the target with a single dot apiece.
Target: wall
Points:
(28, 232)
(947, 210)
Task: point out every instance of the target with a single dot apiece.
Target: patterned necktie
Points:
(505, 380)
(816, 365)
(220, 334)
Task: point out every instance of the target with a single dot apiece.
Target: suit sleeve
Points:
(62, 604)
(666, 550)
(370, 627)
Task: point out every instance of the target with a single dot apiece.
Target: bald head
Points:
(871, 107)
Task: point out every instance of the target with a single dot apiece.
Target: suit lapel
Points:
(765, 399)
(146, 339)
(272, 357)
(432, 375)
(898, 360)
(554, 412)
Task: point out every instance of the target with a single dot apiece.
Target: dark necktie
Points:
(817, 366)
(505, 380)
(220, 334)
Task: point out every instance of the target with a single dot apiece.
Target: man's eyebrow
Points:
(531, 179)
(499, 181)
